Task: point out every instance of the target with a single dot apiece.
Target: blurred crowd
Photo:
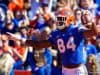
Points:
(35, 19)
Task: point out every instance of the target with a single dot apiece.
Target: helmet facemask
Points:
(61, 22)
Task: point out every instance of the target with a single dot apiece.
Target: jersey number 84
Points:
(69, 45)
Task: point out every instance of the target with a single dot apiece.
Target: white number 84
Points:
(69, 45)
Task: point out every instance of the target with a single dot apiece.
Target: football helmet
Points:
(64, 18)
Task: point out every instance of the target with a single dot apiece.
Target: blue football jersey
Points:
(70, 44)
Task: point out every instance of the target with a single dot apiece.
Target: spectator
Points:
(77, 14)
(6, 59)
(35, 5)
(16, 5)
(9, 27)
(3, 10)
(92, 65)
(19, 55)
(89, 49)
(24, 32)
(20, 18)
(9, 16)
(46, 68)
(87, 5)
(30, 62)
(98, 61)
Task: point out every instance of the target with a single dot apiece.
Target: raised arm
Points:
(36, 44)
(91, 31)
(87, 21)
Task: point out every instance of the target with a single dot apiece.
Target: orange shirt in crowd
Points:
(21, 51)
(19, 6)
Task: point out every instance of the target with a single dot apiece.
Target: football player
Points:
(69, 40)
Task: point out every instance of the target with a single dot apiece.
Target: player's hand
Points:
(88, 26)
(87, 20)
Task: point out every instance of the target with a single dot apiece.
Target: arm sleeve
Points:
(82, 28)
(38, 44)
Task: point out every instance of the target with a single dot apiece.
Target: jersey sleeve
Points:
(82, 28)
(51, 39)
